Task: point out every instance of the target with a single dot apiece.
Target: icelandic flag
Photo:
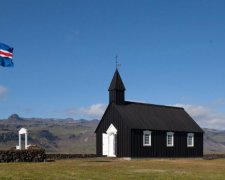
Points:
(6, 54)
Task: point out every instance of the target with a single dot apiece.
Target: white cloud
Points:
(92, 112)
(138, 101)
(3, 92)
(205, 116)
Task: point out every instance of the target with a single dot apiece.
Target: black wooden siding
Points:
(123, 133)
(116, 97)
(159, 147)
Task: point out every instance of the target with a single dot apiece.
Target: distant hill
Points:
(55, 135)
(214, 141)
(74, 136)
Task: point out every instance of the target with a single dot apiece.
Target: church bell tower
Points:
(117, 90)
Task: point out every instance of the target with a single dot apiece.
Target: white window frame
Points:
(192, 140)
(167, 135)
(149, 133)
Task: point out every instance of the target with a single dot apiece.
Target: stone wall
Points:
(213, 156)
(22, 155)
(36, 155)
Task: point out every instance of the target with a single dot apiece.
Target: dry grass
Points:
(102, 168)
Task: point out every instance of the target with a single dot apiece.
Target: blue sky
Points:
(172, 53)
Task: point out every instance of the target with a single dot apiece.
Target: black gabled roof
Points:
(117, 83)
(156, 117)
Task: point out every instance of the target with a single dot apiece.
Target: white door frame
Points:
(111, 133)
(22, 131)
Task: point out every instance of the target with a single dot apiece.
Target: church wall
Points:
(159, 147)
(123, 133)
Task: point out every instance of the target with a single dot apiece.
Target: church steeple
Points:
(116, 89)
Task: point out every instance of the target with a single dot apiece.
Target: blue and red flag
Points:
(6, 55)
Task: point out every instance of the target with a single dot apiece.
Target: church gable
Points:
(111, 116)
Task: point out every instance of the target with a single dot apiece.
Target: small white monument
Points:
(22, 131)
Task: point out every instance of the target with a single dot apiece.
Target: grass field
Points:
(102, 168)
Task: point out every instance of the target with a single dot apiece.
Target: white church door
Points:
(105, 144)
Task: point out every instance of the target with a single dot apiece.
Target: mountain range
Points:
(75, 136)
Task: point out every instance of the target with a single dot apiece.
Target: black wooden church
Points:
(132, 129)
